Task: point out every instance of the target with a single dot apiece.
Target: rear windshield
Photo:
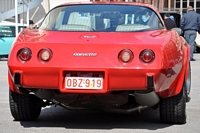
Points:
(101, 18)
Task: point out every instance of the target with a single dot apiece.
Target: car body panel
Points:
(107, 47)
(7, 37)
(5, 44)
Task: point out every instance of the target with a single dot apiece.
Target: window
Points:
(8, 31)
(184, 4)
(178, 5)
(184, 10)
(99, 18)
(198, 7)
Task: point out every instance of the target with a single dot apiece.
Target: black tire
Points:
(173, 109)
(24, 107)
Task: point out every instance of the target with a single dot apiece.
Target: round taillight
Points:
(125, 56)
(24, 54)
(45, 55)
(147, 56)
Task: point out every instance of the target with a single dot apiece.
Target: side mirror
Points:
(178, 30)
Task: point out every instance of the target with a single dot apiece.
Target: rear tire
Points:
(24, 107)
(173, 109)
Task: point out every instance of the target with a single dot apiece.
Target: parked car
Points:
(197, 44)
(177, 19)
(114, 57)
(175, 15)
(7, 36)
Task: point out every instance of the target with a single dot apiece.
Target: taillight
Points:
(45, 55)
(126, 56)
(147, 56)
(24, 55)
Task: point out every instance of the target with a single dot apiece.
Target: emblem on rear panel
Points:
(89, 37)
(85, 54)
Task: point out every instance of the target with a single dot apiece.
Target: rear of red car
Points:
(98, 56)
(124, 60)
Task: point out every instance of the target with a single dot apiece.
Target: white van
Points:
(197, 44)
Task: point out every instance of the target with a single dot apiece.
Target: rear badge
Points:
(89, 37)
(85, 54)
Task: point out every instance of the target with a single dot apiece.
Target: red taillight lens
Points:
(125, 56)
(24, 54)
(147, 56)
(45, 55)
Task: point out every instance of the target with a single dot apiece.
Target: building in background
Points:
(168, 5)
(157, 3)
(181, 5)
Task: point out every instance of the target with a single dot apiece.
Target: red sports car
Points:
(115, 57)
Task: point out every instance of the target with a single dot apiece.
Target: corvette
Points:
(109, 56)
(85, 54)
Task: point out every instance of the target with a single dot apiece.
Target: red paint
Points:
(168, 66)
